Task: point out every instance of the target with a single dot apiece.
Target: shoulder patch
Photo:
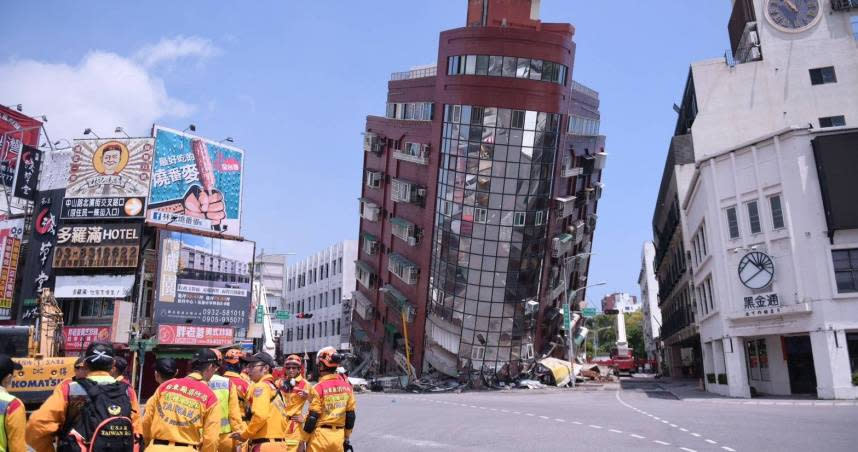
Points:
(257, 392)
(14, 405)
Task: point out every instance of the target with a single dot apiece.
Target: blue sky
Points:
(293, 81)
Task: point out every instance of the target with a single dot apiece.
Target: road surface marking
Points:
(559, 420)
(529, 414)
(674, 425)
(696, 434)
(516, 412)
(655, 417)
(664, 422)
(544, 417)
(577, 423)
(595, 426)
(684, 429)
(710, 441)
(472, 406)
(615, 430)
(728, 449)
(687, 449)
(504, 411)
(637, 436)
(661, 442)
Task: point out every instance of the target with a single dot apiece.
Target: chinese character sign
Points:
(204, 280)
(97, 245)
(16, 130)
(109, 178)
(196, 183)
(38, 274)
(78, 338)
(27, 173)
(761, 304)
(11, 233)
(194, 335)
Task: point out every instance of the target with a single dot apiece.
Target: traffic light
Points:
(303, 315)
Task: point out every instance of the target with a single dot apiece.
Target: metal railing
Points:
(415, 73)
(576, 86)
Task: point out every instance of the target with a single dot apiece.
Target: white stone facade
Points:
(756, 189)
(318, 285)
(649, 302)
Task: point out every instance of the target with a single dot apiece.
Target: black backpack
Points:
(99, 422)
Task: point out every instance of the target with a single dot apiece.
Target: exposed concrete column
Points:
(831, 364)
(737, 372)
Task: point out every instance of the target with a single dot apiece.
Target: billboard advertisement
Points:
(11, 233)
(109, 178)
(38, 273)
(16, 130)
(78, 338)
(27, 173)
(203, 281)
(194, 335)
(109, 245)
(196, 183)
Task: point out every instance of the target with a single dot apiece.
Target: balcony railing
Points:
(430, 71)
(413, 152)
(404, 230)
(403, 268)
(571, 171)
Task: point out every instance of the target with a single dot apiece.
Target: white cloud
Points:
(171, 49)
(103, 91)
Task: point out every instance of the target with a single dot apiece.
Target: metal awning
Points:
(401, 222)
(396, 257)
(364, 266)
(370, 237)
(565, 238)
(395, 294)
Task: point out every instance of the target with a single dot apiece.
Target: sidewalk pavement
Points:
(687, 390)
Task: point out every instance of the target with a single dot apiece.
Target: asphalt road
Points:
(637, 416)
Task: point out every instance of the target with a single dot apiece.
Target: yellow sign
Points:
(39, 377)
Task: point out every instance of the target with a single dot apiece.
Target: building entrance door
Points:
(802, 376)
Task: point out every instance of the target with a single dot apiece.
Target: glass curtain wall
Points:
(490, 232)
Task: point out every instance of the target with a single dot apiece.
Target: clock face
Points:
(793, 15)
(756, 270)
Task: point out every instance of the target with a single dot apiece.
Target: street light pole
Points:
(569, 333)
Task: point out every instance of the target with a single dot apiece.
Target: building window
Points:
(480, 215)
(732, 222)
(832, 121)
(823, 75)
(852, 346)
(754, 217)
(519, 218)
(538, 219)
(846, 269)
(777, 212)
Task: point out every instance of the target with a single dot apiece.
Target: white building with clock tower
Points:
(771, 211)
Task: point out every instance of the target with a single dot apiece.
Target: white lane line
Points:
(615, 430)
(544, 417)
(472, 406)
(684, 429)
(595, 426)
(516, 412)
(504, 411)
(696, 434)
(664, 422)
(710, 441)
(674, 425)
(577, 423)
(529, 414)
(728, 449)
(661, 442)
(656, 418)
(637, 436)
(687, 449)
(559, 420)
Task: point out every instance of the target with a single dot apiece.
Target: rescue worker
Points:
(13, 418)
(231, 415)
(232, 369)
(296, 392)
(49, 421)
(118, 370)
(331, 418)
(165, 369)
(79, 369)
(266, 427)
(185, 415)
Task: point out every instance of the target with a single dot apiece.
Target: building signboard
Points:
(196, 183)
(95, 286)
(204, 281)
(16, 130)
(38, 274)
(114, 245)
(77, 338)
(27, 173)
(109, 178)
(11, 233)
(205, 336)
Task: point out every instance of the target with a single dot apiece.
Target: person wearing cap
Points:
(297, 391)
(231, 422)
(185, 414)
(331, 418)
(118, 370)
(13, 417)
(232, 369)
(265, 429)
(47, 422)
(79, 369)
(165, 369)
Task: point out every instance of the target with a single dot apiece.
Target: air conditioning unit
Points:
(421, 192)
(412, 241)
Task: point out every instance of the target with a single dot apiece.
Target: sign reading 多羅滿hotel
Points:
(102, 245)
(109, 179)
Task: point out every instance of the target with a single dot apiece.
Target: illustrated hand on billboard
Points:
(204, 204)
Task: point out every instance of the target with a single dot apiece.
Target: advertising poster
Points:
(194, 335)
(203, 281)
(27, 173)
(16, 130)
(11, 233)
(109, 178)
(78, 338)
(196, 183)
(98, 245)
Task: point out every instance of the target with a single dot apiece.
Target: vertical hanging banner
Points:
(11, 233)
(27, 173)
(196, 183)
(109, 178)
(16, 130)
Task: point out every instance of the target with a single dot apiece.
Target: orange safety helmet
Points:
(293, 359)
(325, 357)
(218, 354)
(233, 356)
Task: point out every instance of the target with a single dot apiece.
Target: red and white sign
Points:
(16, 129)
(77, 338)
(210, 336)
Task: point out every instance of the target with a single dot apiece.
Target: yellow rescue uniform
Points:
(183, 414)
(231, 415)
(266, 429)
(333, 405)
(46, 422)
(295, 407)
(13, 422)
